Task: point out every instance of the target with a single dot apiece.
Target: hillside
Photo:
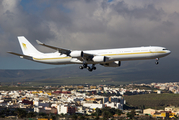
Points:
(155, 101)
(131, 71)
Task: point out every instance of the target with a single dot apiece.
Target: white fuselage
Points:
(120, 54)
(104, 57)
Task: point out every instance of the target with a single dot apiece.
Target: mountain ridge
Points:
(128, 72)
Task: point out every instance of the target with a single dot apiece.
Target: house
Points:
(149, 111)
(173, 109)
(114, 105)
(164, 114)
(66, 109)
(93, 105)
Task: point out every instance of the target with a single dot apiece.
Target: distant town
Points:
(85, 102)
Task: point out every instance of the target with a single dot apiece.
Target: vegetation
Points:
(131, 114)
(9, 88)
(143, 87)
(105, 113)
(19, 113)
(155, 101)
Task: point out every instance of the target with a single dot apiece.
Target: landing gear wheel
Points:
(90, 70)
(88, 67)
(94, 68)
(81, 67)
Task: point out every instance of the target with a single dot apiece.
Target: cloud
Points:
(83, 24)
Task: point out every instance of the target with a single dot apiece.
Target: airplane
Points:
(104, 57)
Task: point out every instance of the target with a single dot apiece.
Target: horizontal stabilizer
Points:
(21, 56)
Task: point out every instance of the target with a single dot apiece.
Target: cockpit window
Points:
(165, 49)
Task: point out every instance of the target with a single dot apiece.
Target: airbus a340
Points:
(104, 57)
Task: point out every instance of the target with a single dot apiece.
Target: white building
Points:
(65, 109)
(114, 105)
(39, 105)
(62, 109)
(93, 105)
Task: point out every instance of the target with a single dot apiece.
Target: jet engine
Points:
(76, 54)
(112, 64)
(99, 59)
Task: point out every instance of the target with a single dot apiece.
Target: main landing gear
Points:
(88, 67)
(157, 59)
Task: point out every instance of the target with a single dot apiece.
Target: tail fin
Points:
(27, 47)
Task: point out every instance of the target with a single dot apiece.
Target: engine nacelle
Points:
(99, 59)
(76, 54)
(112, 64)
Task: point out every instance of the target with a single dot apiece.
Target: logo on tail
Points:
(24, 46)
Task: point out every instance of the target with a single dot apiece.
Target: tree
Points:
(119, 112)
(62, 115)
(2, 114)
(55, 116)
(131, 114)
(74, 117)
(31, 115)
(20, 113)
(98, 112)
(112, 111)
(82, 117)
(106, 115)
(44, 115)
(97, 118)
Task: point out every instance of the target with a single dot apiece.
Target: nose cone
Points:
(168, 52)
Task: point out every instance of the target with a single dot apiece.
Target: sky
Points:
(86, 25)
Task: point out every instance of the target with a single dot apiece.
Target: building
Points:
(66, 109)
(114, 105)
(149, 111)
(117, 99)
(93, 105)
(164, 114)
(173, 109)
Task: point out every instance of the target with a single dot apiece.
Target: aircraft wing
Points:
(21, 56)
(86, 56)
(61, 50)
(80, 55)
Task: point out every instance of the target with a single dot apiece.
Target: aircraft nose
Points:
(168, 51)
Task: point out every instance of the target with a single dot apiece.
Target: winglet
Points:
(61, 50)
(40, 43)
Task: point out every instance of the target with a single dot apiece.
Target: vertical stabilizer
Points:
(27, 47)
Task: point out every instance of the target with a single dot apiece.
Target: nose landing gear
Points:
(157, 59)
